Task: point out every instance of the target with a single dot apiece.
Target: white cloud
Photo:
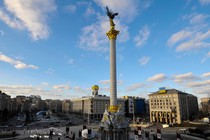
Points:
(199, 84)
(89, 11)
(127, 9)
(204, 2)
(50, 71)
(104, 82)
(93, 37)
(71, 61)
(201, 90)
(205, 57)
(45, 84)
(17, 64)
(28, 90)
(179, 36)
(62, 87)
(157, 78)
(2, 32)
(142, 36)
(82, 91)
(195, 18)
(185, 77)
(192, 45)
(144, 60)
(135, 86)
(71, 8)
(28, 15)
(206, 75)
(193, 37)
(14, 23)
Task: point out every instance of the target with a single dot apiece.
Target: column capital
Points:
(113, 108)
(112, 34)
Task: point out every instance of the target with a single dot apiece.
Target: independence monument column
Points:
(114, 125)
(112, 35)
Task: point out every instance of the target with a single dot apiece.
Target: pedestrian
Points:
(73, 137)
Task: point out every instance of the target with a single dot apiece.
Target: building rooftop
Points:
(168, 91)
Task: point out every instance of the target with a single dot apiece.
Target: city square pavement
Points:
(167, 134)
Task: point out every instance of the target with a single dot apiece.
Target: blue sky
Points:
(59, 49)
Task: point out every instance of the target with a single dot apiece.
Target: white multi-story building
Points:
(94, 105)
(172, 106)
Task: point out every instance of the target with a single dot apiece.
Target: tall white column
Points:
(113, 77)
(112, 35)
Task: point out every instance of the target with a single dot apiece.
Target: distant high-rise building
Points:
(4, 101)
(54, 105)
(172, 106)
(135, 106)
(66, 106)
(205, 104)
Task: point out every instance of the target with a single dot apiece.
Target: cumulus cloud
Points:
(207, 56)
(90, 10)
(194, 36)
(204, 2)
(120, 7)
(144, 60)
(185, 77)
(135, 86)
(71, 61)
(82, 91)
(205, 91)
(199, 84)
(27, 90)
(28, 15)
(142, 36)
(195, 18)
(62, 87)
(2, 32)
(206, 75)
(93, 37)
(49, 71)
(96, 40)
(104, 82)
(71, 8)
(179, 36)
(45, 84)
(16, 63)
(157, 78)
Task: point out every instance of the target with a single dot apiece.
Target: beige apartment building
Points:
(172, 106)
(205, 104)
(94, 105)
(66, 106)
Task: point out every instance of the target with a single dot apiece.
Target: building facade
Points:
(135, 106)
(4, 101)
(93, 106)
(205, 104)
(172, 106)
(66, 106)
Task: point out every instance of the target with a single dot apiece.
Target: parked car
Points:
(20, 126)
(4, 126)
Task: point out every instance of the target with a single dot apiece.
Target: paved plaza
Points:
(60, 133)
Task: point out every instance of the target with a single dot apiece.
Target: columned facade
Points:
(172, 106)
